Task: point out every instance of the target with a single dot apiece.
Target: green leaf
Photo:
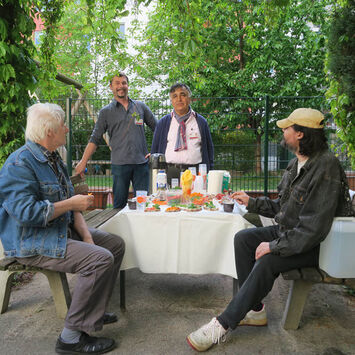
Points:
(3, 29)
(6, 72)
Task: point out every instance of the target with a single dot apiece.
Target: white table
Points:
(180, 242)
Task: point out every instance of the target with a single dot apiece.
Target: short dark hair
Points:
(178, 86)
(120, 74)
(313, 141)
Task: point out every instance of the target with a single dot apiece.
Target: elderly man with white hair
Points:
(42, 225)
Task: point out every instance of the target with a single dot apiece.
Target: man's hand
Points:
(261, 250)
(81, 202)
(76, 203)
(147, 156)
(80, 168)
(241, 197)
(88, 152)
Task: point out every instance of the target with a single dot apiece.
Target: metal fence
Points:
(244, 132)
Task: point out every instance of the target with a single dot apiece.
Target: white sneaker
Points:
(209, 334)
(253, 318)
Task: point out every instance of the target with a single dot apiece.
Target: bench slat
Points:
(329, 279)
(294, 274)
(311, 274)
(91, 214)
(5, 263)
(101, 218)
(16, 267)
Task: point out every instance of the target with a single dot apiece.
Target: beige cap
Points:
(306, 117)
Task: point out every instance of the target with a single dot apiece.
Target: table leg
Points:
(123, 289)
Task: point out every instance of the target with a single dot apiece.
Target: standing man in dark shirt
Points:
(123, 120)
(312, 191)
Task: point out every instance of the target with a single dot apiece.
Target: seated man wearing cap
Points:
(312, 191)
(183, 135)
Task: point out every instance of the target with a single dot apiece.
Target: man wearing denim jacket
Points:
(313, 191)
(42, 225)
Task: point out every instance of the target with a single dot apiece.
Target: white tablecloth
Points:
(180, 242)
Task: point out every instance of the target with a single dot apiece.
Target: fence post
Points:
(266, 145)
(69, 145)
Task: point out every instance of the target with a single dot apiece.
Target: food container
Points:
(132, 204)
(174, 197)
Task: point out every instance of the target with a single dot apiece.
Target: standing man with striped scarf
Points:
(183, 135)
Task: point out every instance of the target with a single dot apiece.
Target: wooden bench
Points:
(302, 281)
(57, 280)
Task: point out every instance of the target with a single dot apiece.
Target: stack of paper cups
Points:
(202, 171)
(215, 180)
(198, 184)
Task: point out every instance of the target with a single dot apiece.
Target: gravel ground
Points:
(163, 308)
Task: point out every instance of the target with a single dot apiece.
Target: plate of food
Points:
(220, 196)
(192, 208)
(173, 209)
(210, 206)
(154, 208)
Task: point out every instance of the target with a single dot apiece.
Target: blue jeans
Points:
(123, 175)
(256, 278)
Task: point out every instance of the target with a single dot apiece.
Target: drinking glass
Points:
(141, 197)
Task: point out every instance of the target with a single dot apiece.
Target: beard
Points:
(121, 93)
(289, 147)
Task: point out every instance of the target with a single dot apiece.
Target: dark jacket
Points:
(160, 138)
(307, 204)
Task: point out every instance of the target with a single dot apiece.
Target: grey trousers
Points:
(96, 267)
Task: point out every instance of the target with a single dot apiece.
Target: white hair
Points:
(41, 118)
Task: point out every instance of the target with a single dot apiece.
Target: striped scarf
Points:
(181, 143)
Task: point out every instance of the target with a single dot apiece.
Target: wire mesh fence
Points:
(244, 132)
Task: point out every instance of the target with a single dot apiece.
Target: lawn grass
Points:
(99, 180)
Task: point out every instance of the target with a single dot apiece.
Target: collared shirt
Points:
(191, 155)
(160, 138)
(53, 159)
(126, 131)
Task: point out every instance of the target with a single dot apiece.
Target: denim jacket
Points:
(307, 204)
(28, 189)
